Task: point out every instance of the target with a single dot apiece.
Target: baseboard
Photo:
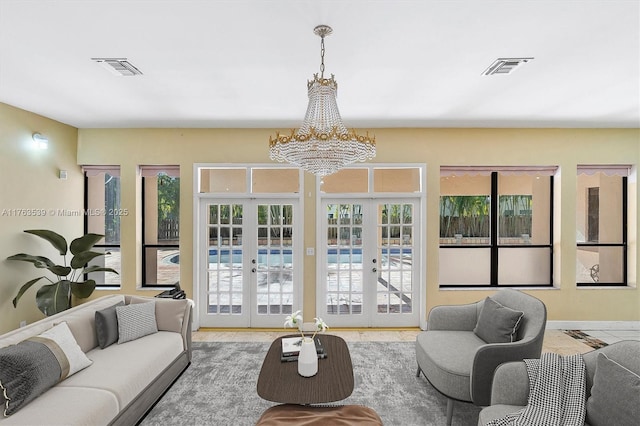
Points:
(593, 325)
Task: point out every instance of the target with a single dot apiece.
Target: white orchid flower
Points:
(320, 324)
(293, 320)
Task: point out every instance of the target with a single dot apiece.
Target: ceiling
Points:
(398, 63)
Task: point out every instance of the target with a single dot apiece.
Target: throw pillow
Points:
(497, 323)
(135, 321)
(614, 395)
(107, 325)
(31, 367)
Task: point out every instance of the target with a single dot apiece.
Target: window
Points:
(601, 224)
(160, 225)
(248, 180)
(497, 224)
(103, 212)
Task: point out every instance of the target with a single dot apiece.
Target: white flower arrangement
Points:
(295, 321)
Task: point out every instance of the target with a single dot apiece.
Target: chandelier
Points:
(322, 145)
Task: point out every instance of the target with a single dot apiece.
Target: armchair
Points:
(458, 363)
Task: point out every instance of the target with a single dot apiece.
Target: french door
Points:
(247, 262)
(368, 269)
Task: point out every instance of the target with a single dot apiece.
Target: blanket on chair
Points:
(557, 391)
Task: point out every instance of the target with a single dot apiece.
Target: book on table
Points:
(291, 348)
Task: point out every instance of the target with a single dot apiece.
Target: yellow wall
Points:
(130, 148)
(563, 147)
(29, 180)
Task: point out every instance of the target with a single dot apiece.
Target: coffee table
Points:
(280, 382)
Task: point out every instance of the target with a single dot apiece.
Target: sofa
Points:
(117, 381)
(612, 387)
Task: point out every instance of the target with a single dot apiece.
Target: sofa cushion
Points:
(136, 321)
(497, 411)
(449, 359)
(497, 323)
(63, 406)
(169, 312)
(107, 326)
(31, 367)
(614, 395)
(127, 369)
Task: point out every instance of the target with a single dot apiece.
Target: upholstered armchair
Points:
(459, 363)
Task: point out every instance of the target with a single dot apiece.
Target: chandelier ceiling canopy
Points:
(322, 145)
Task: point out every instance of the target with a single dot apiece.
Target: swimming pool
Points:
(275, 255)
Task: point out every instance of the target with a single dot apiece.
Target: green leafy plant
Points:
(69, 279)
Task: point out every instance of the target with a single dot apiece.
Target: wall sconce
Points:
(40, 142)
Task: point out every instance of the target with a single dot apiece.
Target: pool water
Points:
(334, 255)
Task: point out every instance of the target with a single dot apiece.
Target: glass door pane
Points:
(226, 293)
(343, 259)
(395, 229)
(274, 286)
(397, 244)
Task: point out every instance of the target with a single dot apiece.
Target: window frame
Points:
(144, 246)
(623, 244)
(105, 247)
(493, 246)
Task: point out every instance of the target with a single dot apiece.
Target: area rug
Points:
(219, 388)
(586, 339)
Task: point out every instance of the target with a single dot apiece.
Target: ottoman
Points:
(307, 415)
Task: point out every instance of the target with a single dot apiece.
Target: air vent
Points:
(505, 65)
(118, 66)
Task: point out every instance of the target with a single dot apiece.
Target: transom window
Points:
(234, 180)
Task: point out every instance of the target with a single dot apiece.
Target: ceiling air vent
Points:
(505, 65)
(118, 66)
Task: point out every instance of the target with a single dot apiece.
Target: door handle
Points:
(253, 269)
(374, 270)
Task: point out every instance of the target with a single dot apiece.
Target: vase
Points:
(308, 358)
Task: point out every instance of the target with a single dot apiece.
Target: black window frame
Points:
(151, 246)
(495, 247)
(623, 244)
(105, 247)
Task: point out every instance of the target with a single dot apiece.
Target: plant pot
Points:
(308, 358)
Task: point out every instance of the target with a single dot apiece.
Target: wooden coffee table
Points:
(280, 382)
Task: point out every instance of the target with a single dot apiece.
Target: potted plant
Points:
(69, 278)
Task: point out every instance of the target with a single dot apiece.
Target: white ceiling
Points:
(399, 63)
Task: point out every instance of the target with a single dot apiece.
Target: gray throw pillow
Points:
(614, 395)
(136, 320)
(107, 325)
(497, 323)
(31, 367)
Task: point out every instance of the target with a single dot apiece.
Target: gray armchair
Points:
(510, 390)
(458, 363)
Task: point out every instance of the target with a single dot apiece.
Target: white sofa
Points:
(124, 380)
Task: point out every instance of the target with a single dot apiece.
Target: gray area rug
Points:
(219, 388)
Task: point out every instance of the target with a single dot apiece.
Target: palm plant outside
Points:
(469, 215)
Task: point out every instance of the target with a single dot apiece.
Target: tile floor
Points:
(558, 341)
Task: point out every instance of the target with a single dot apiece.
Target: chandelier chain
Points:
(322, 56)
